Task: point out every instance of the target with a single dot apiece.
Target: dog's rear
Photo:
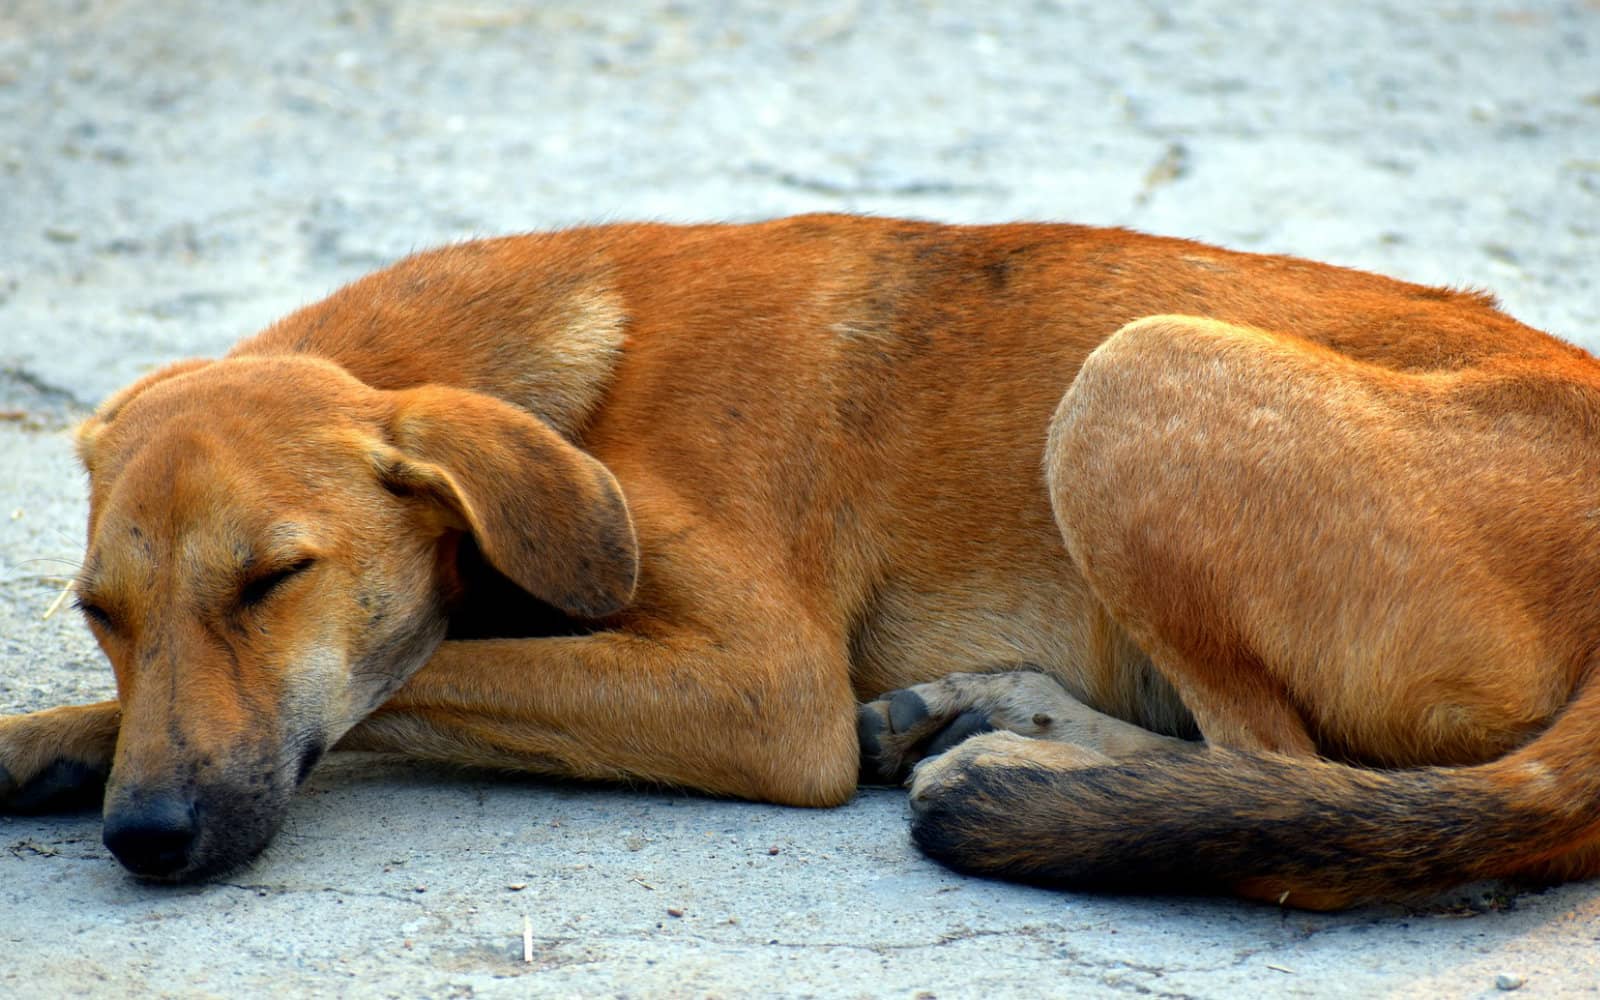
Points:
(1388, 562)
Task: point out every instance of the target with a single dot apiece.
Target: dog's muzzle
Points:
(152, 833)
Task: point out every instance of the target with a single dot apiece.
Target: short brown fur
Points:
(742, 476)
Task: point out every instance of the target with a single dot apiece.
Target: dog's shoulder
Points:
(535, 320)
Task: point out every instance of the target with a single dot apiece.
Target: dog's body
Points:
(752, 474)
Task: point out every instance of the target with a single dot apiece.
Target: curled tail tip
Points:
(1296, 832)
(1005, 822)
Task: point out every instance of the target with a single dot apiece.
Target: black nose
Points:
(151, 834)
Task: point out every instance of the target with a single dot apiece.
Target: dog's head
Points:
(274, 547)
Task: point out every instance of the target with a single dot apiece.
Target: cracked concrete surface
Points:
(173, 177)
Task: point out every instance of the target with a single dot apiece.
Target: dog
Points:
(1176, 568)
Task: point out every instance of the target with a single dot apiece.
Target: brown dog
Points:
(663, 502)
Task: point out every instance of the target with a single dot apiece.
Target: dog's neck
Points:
(478, 315)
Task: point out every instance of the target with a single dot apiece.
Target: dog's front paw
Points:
(63, 785)
(906, 726)
(56, 760)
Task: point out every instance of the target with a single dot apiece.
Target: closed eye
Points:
(263, 587)
(95, 613)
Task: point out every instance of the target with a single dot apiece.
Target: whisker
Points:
(54, 579)
(71, 564)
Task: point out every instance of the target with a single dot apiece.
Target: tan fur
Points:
(756, 473)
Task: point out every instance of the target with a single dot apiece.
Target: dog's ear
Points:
(89, 431)
(544, 513)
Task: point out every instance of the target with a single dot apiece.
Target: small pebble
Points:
(1508, 981)
(674, 911)
(517, 886)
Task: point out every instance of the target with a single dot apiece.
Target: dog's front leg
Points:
(772, 719)
(57, 759)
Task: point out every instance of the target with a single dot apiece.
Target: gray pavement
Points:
(175, 175)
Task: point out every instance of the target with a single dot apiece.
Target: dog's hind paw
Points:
(903, 727)
(906, 726)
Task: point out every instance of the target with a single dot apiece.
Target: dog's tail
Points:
(1304, 832)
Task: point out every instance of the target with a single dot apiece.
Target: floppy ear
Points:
(544, 513)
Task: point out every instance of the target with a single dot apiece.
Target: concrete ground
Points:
(174, 175)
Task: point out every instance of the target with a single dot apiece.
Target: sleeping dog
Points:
(1269, 577)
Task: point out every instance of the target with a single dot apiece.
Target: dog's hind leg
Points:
(57, 759)
(1208, 482)
(1318, 552)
